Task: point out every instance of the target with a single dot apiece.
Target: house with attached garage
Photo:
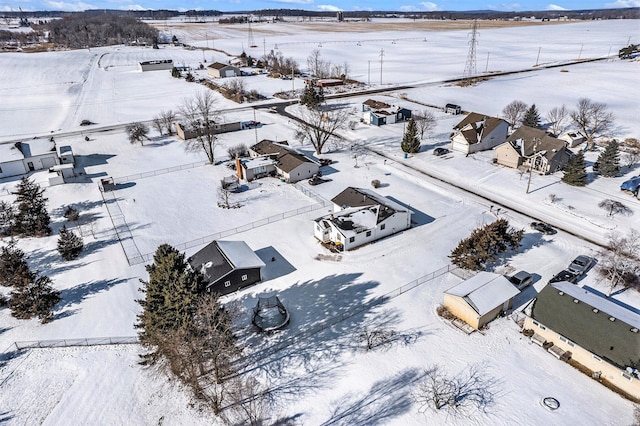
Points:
(379, 113)
(481, 298)
(227, 266)
(363, 216)
(594, 331)
(478, 132)
(533, 149)
(277, 158)
(27, 156)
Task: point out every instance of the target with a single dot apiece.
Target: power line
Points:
(470, 67)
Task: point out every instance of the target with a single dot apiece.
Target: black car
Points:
(564, 276)
(543, 227)
(440, 151)
(317, 180)
(325, 161)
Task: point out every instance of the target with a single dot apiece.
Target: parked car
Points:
(543, 227)
(521, 280)
(564, 276)
(580, 264)
(440, 151)
(317, 180)
(325, 161)
(632, 185)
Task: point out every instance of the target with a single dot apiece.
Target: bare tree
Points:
(631, 157)
(514, 112)
(249, 402)
(557, 118)
(620, 262)
(614, 207)
(318, 126)
(318, 67)
(234, 86)
(168, 118)
(137, 132)
(592, 118)
(376, 337)
(202, 117)
(239, 150)
(158, 124)
(459, 394)
(425, 121)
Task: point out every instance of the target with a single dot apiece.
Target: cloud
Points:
(429, 6)
(408, 8)
(622, 3)
(328, 8)
(424, 6)
(71, 7)
(133, 7)
(508, 7)
(555, 7)
(294, 1)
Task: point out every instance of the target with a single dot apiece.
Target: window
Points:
(382, 226)
(352, 239)
(227, 283)
(627, 376)
(597, 358)
(244, 277)
(368, 233)
(0, 169)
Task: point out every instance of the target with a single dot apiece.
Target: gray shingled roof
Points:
(535, 137)
(588, 323)
(477, 121)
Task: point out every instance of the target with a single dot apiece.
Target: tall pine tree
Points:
(36, 299)
(609, 160)
(170, 300)
(69, 244)
(410, 141)
(14, 270)
(574, 171)
(31, 216)
(312, 96)
(532, 117)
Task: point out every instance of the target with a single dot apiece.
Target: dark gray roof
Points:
(287, 158)
(532, 137)
(588, 322)
(266, 147)
(354, 197)
(211, 263)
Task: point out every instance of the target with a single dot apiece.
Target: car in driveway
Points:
(564, 275)
(543, 227)
(521, 280)
(580, 265)
(632, 185)
(317, 180)
(440, 151)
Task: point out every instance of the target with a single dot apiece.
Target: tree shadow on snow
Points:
(77, 294)
(385, 400)
(5, 416)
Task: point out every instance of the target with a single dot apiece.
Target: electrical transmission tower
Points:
(252, 42)
(470, 67)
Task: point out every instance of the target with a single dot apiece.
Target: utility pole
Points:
(538, 57)
(369, 74)
(531, 160)
(580, 54)
(264, 47)
(487, 66)
(381, 59)
(470, 67)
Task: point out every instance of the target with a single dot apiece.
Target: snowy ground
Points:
(326, 378)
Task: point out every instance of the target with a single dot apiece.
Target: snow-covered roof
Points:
(485, 291)
(258, 162)
(353, 220)
(34, 147)
(240, 254)
(8, 152)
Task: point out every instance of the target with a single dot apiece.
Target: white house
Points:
(480, 299)
(478, 132)
(289, 164)
(351, 227)
(24, 157)
(379, 113)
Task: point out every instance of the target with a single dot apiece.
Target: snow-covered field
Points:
(325, 378)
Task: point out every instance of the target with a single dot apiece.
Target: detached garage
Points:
(220, 70)
(27, 156)
(480, 299)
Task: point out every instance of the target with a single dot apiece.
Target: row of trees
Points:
(608, 165)
(591, 118)
(28, 215)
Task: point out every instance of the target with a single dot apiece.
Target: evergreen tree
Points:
(69, 244)
(574, 171)
(14, 270)
(484, 244)
(609, 160)
(36, 299)
(312, 96)
(170, 300)
(532, 117)
(7, 217)
(410, 141)
(31, 218)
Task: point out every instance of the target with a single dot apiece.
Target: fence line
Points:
(65, 343)
(129, 178)
(121, 227)
(245, 361)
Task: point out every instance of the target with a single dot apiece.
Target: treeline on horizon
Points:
(586, 14)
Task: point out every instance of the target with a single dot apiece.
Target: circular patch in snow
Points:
(550, 403)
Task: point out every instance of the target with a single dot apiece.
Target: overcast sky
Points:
(326, 5)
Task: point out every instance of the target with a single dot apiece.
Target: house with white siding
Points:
(477, 132)
(27, 156)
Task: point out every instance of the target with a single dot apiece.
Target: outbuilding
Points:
(220, 70)
(481, 298)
